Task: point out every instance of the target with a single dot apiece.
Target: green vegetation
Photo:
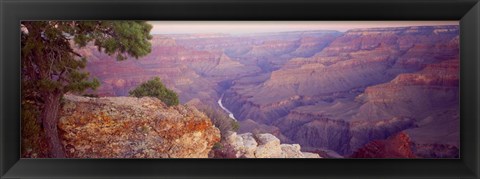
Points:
(51, 67)
(235, 125)
(33, 138)
(217, 146)
(155, 88)
(221, 121)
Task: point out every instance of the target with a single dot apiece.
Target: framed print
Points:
(252, 89)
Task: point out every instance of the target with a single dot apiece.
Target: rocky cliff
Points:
(262, 145)
(431, 96)
(351, 62)
(396, 146)
(127, 127)
(407, 74)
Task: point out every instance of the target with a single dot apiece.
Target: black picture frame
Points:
(13, 11)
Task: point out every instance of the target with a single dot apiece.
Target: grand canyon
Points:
(388, 92)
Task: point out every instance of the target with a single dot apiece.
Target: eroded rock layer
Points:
(365, 85)
(324, 90)
(397, 146)
(127, 127)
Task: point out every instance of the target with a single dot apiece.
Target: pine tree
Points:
(51, 67)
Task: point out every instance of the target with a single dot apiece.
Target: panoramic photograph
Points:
(240, 89)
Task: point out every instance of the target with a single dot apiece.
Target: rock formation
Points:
(324, 90)
(351, 62)
(397, 146)
(432, 97)
(128, 127)
(406, 73)
(264, 145)
(198, 65)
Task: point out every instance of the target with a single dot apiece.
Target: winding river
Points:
(230, 114)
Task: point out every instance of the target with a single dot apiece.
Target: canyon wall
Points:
(325, 90)
(367, 84)
(352, 62)
(200, 66)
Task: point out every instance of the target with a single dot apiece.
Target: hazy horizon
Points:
(248, 27)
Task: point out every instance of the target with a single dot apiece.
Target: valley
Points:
(340, 93)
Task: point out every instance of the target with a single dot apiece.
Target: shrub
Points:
(235, 126)
(225, 151)
(155, 88)
(221, 120)
(217, 146)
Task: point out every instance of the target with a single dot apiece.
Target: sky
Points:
(245, 27)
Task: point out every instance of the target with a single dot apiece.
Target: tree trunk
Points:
(50, 122)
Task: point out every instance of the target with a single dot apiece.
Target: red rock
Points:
(397, 146)
(129, 127)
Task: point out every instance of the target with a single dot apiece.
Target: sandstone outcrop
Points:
(265, 145)
(128, 127)
(250, 126)
(397, 146)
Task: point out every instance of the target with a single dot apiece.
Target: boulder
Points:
(248, 145)
(311, 155)
(291, 151)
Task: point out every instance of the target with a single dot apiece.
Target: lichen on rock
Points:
(128, 127)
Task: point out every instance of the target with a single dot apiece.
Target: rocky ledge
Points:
(265, 145)
(396, 146)
(127, 127)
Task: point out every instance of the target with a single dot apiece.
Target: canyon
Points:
(130, 127)
(330, 92)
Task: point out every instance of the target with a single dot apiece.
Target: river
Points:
(230, 114)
